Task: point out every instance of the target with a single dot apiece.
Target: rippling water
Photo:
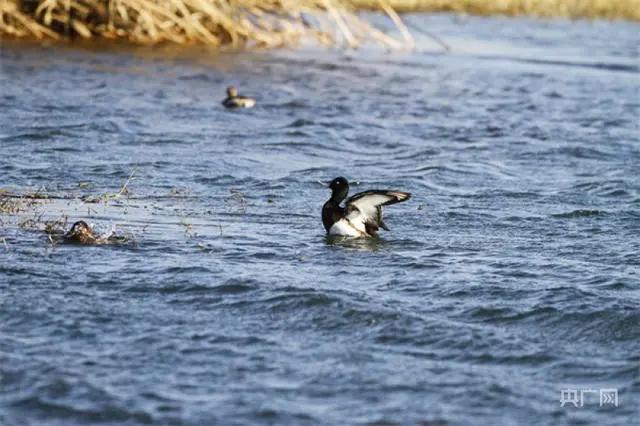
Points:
(512, 274)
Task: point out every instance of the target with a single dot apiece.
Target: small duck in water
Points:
(362, 214)
(236, 101)
(82, 233)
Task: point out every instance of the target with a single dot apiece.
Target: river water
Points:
(507, 287)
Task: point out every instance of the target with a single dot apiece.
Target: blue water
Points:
(510, 276)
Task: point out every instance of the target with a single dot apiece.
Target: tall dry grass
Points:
(234, 23)
(262, 23)
(575, 9)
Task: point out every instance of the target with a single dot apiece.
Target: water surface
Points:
(512, 274)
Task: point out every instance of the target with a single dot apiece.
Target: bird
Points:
(234, 100)
(362, 214)
(80, 233)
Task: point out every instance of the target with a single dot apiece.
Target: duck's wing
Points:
(364, 210)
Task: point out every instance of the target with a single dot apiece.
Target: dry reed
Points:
(574, 9)
(232, 23)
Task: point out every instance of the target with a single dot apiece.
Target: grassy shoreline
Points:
(572, 9)
(262, 23)
(220, 23)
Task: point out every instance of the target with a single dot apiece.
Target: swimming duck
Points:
(236, 101)
(362, 214)
(80, 233)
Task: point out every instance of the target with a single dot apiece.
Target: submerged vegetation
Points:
(261, 23)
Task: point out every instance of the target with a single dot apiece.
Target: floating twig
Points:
(124, 189)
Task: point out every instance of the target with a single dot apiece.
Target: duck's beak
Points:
(325, 184)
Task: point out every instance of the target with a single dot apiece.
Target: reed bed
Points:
(573, 9)
(262, 23)
(229, 23)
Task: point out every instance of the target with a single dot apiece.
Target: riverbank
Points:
(263, 24)
(250, 24)
(573, 9)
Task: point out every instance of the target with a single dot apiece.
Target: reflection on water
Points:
(359, 244)
(510, 275)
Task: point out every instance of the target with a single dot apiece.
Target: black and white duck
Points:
(234, 100)
(361, 215)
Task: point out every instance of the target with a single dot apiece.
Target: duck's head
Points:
(81, 227)
(80, 230)
(339, 183)
(232, 92)
(339, 188)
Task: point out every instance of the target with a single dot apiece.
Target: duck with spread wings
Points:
(362, 214)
